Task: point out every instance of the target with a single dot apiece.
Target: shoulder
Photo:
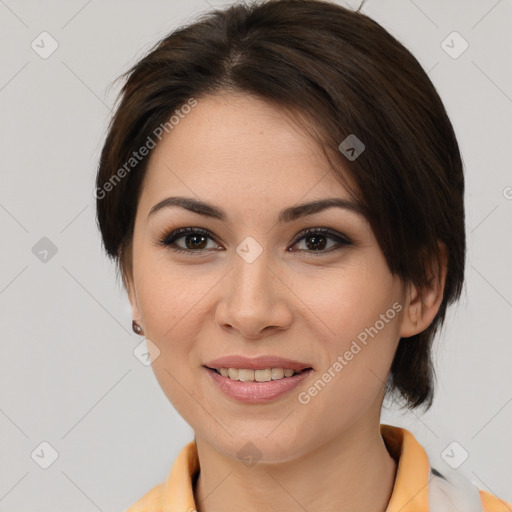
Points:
(150, 502)
(491, 503)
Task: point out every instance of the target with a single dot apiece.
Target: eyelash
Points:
(168, 239)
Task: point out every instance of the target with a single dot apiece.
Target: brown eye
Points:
(316, 240)
(194, 240)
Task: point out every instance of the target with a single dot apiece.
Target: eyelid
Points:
(179, 232)
(335, 235)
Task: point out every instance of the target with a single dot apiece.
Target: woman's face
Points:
(255, 286)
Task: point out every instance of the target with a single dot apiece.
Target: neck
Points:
(352, 472)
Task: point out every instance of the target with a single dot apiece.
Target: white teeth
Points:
(277, 373)
(248, 375)
(245, 374)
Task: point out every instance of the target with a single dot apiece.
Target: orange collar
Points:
(410, 492)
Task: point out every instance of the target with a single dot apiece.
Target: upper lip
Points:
(257, 363)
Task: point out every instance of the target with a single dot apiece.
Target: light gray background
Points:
(68, 375)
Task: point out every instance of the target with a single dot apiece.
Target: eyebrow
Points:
(287, 215)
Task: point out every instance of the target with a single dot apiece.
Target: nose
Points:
(255, 300)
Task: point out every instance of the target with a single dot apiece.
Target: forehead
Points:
(240, 148)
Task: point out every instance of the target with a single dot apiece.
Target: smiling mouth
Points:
(261, 375)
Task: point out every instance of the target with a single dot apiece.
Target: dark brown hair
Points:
(337, 72)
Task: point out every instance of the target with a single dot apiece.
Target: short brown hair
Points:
(339, 73)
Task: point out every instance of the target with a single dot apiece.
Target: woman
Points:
(283, 192)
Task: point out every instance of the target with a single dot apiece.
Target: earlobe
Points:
(136, 328)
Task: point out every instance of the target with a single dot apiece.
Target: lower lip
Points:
(256, 392)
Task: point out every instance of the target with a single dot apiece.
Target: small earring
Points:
(137, 329)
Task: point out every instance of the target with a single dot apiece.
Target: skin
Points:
(242, 155)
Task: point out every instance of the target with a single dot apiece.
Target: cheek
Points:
(170, 304)
(355, 314)
(169, 293)
(172, 301)
(350, 299)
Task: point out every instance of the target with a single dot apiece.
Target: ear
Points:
(132, 297)
(422, 305)
(128, 282)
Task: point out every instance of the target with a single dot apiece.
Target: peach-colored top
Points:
(410, 492)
